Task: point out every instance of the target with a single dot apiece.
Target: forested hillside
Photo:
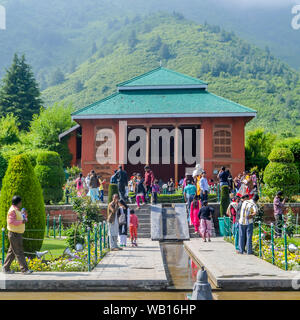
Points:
(232, 67)
(58, 35)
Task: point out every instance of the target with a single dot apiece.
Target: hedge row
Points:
(174, 198)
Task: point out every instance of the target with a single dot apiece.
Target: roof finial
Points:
(160, 63)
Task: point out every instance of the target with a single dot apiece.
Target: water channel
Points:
(181, 272)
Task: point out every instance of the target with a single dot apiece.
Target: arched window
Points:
(222, 141)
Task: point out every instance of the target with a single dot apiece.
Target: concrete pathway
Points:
(231, 271)
(133, 268)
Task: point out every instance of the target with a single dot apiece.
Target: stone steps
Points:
(144, 216)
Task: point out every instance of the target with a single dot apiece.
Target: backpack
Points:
(122, 218)
(114, 179)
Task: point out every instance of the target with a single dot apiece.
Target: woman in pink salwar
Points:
(80, 186)
(194, 211)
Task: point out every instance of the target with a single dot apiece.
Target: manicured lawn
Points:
(55, 246)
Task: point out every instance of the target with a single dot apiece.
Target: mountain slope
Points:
(61, 33)
(233, 68)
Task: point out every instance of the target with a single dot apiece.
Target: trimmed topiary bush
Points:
(281, 174)
(20, 180)
(32, 155)
(294, 145)
(51, 175)
(3, 167)
(224, 201)
(8, 154)
(112, 189)
(281, 155)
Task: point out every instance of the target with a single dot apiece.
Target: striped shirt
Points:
(248, 207)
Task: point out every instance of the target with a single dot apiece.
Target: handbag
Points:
(122, 218)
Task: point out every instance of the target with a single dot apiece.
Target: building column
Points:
(148, 144)
(176, 148)
(207, 126)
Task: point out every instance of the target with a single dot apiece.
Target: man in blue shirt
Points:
(223, 177)
(189, 193)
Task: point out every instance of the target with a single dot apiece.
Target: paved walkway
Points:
(231, 271)
(129, 269)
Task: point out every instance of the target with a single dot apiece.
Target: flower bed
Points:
(293, 259)
(63, 264)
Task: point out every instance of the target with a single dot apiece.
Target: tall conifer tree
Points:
(20, 94)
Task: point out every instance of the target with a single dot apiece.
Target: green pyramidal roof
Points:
(164, 78)
(162, 93)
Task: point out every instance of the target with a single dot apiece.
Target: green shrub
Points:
(32, 155)
(170, 198)
(73, 172)
(8, 152)
(87, 211)
(112, 189)
(224, 201)
(3, 167)
(50, 173)
(281, 174)
(281, 155)
(292, 144)
(20, 180)
(74, 235)
(290, 223)
(174, 198)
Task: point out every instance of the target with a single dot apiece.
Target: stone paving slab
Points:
(133, 268)
(231, 271)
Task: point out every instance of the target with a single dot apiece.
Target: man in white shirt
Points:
(248, 211)
(204, 187)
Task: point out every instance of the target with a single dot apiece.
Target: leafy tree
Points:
(156, 43)
(50, 173)
(164, 51)
(9, 131)
(178, 15)
(57, 77)
(132, 40)
(78, 86)
(225, 36)
(281, 173)
(94, 48)
(46, 127)
(19, 93)
(20, 180)
(72, 67)
(258, 147)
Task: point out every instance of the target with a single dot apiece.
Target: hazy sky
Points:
(261, 3)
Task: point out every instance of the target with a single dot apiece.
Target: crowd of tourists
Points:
(144, 188)
(242, 208)
(121, 219)
(92, 185)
